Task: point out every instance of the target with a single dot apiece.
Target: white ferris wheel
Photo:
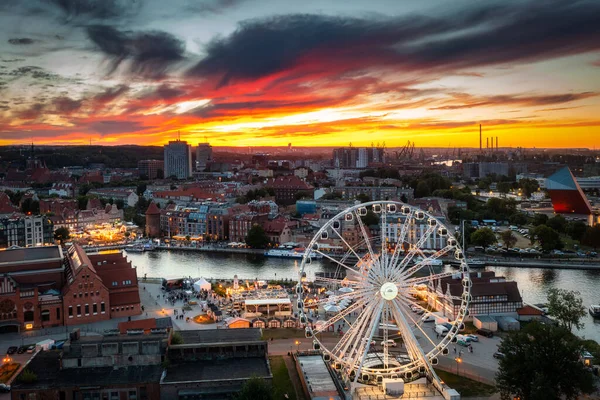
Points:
(385, 331)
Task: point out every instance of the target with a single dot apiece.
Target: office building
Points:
(152, 169)
(203, 156)
(178, 160)
(357, 157)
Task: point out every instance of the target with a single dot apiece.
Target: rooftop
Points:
(23, 255)
(238, 368)
(45, 365)
(207, 336)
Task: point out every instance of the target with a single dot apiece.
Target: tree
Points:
(542, 363)
(30, 206)
(62, 234)
(508, 238)
(504, 187)
(528, 186)
(257, 238)
(483, 237)
(558, 223)
(548, 237)
(540, 219)
(255, 388)
(370, 219)
(518, 219)
(566, 306)
(576, 229)
(363, 197)
(591, 237)
(422, 189)
(120, 203)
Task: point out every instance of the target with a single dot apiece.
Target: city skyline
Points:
(260, 73)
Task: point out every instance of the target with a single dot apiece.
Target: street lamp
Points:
(297, 342)
(458, 361)
(7, 360)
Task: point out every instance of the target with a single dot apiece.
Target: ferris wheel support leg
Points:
(373, 328)
(411, 341)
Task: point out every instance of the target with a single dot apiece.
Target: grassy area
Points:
(466, 387)
(282, 383)
(7, 371)
(287, 333)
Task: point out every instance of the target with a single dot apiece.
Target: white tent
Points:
(202, 284)
(346, 289)
(329, 293)
(332, 308)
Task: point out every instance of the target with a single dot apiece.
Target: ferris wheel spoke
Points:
(411, 253)
(402, 237)
(418, 325)
(367, 343)
(426, 261)
(341, 315)
(384, 240)
(410, 282)
(335, 281)
(354, 333)
(351, 269)
(346, 243)
(366, 238)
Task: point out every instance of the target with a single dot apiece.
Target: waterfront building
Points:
(109, 367)
(152, 221)
(42, 287)
(240, 224)
(151, 169)
(491, 295)
(184, 196)
(78, 220)
(26, 231)
(287, 188)
(566, 194)
(203, 156)
(375, 192)
(214, 363)
(126, 194)
(178, 160)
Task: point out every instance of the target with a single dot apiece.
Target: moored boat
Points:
(595, 310)
(291, 253)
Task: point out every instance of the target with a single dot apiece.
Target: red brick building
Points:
(41, 287)
(288, 187)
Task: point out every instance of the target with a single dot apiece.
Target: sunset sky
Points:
(313, 73)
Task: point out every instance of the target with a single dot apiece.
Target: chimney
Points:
(487, 143)
(480, 147)
(492, 143)
(496, 142)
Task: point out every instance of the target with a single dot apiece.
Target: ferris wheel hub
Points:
(389, 291)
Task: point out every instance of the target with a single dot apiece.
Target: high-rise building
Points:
(151, 169)
(178, 160)
(357, 157)
(203, 156)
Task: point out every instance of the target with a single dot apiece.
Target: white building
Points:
(203, 156)
(178, 159)
(434, 242)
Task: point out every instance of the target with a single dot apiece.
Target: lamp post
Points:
(297, 342)
(458, 361)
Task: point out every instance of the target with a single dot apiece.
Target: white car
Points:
(389, 342)
(428, 318)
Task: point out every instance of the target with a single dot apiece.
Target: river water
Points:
(533, 282)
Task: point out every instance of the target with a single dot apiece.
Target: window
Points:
(70, 311)
(28, 316)
(78, 310)
(58, 313)
(74, 295)
(95, 308)
(114, 395)
(87, 309)
(102, 308)
(45, 315)
(132, 395)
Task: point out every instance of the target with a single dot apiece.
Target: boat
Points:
(434, 262)
(135, 248)
(474, 263)
(291, 253)
(595, 310)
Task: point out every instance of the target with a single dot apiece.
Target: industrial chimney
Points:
(480, 148)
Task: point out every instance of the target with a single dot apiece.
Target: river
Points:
(533, 282)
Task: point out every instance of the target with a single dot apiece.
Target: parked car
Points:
(462, 342)
(474, 338)
(12, 350)
(428, 318)
(31, 348)
(389, 342)
(499, 355)
(441, 329)
(4, 388)
(22, 350)
(485, 332)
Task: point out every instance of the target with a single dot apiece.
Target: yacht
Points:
(135, 248)
(595, 310)
(291, 253)
(434, 263)
(474, 263)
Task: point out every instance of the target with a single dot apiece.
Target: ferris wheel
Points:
(381, 307)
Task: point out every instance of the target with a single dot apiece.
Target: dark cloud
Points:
(491, 33)
(100, 9)
(21, 41)
(208, 7)
(163, 92)
(32, 112)
(66, 105)
(115, 127)
(224, 109)
(111, 94)
(34, 72)
(468, 101)
(149, 54)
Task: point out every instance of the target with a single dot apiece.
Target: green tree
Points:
(120, 204)
(62, 234)
(548, 237)
(255, 388)
(257, 238)
(30, 206)
(370, 219)
(483, 237)
(176, 338)
(566, 306)
(540, 219)
(508, 238)
(422, 190)
(542, 363)
(558, 223)
(518, 219)
(576, 229)
(363, 197)
(528, 186)
(591, 237)
(504, 187)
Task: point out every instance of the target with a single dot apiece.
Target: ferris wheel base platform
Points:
(397, 389)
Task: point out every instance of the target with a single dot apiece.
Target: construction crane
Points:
(406, 152)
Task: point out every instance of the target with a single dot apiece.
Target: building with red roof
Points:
(288, 187)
